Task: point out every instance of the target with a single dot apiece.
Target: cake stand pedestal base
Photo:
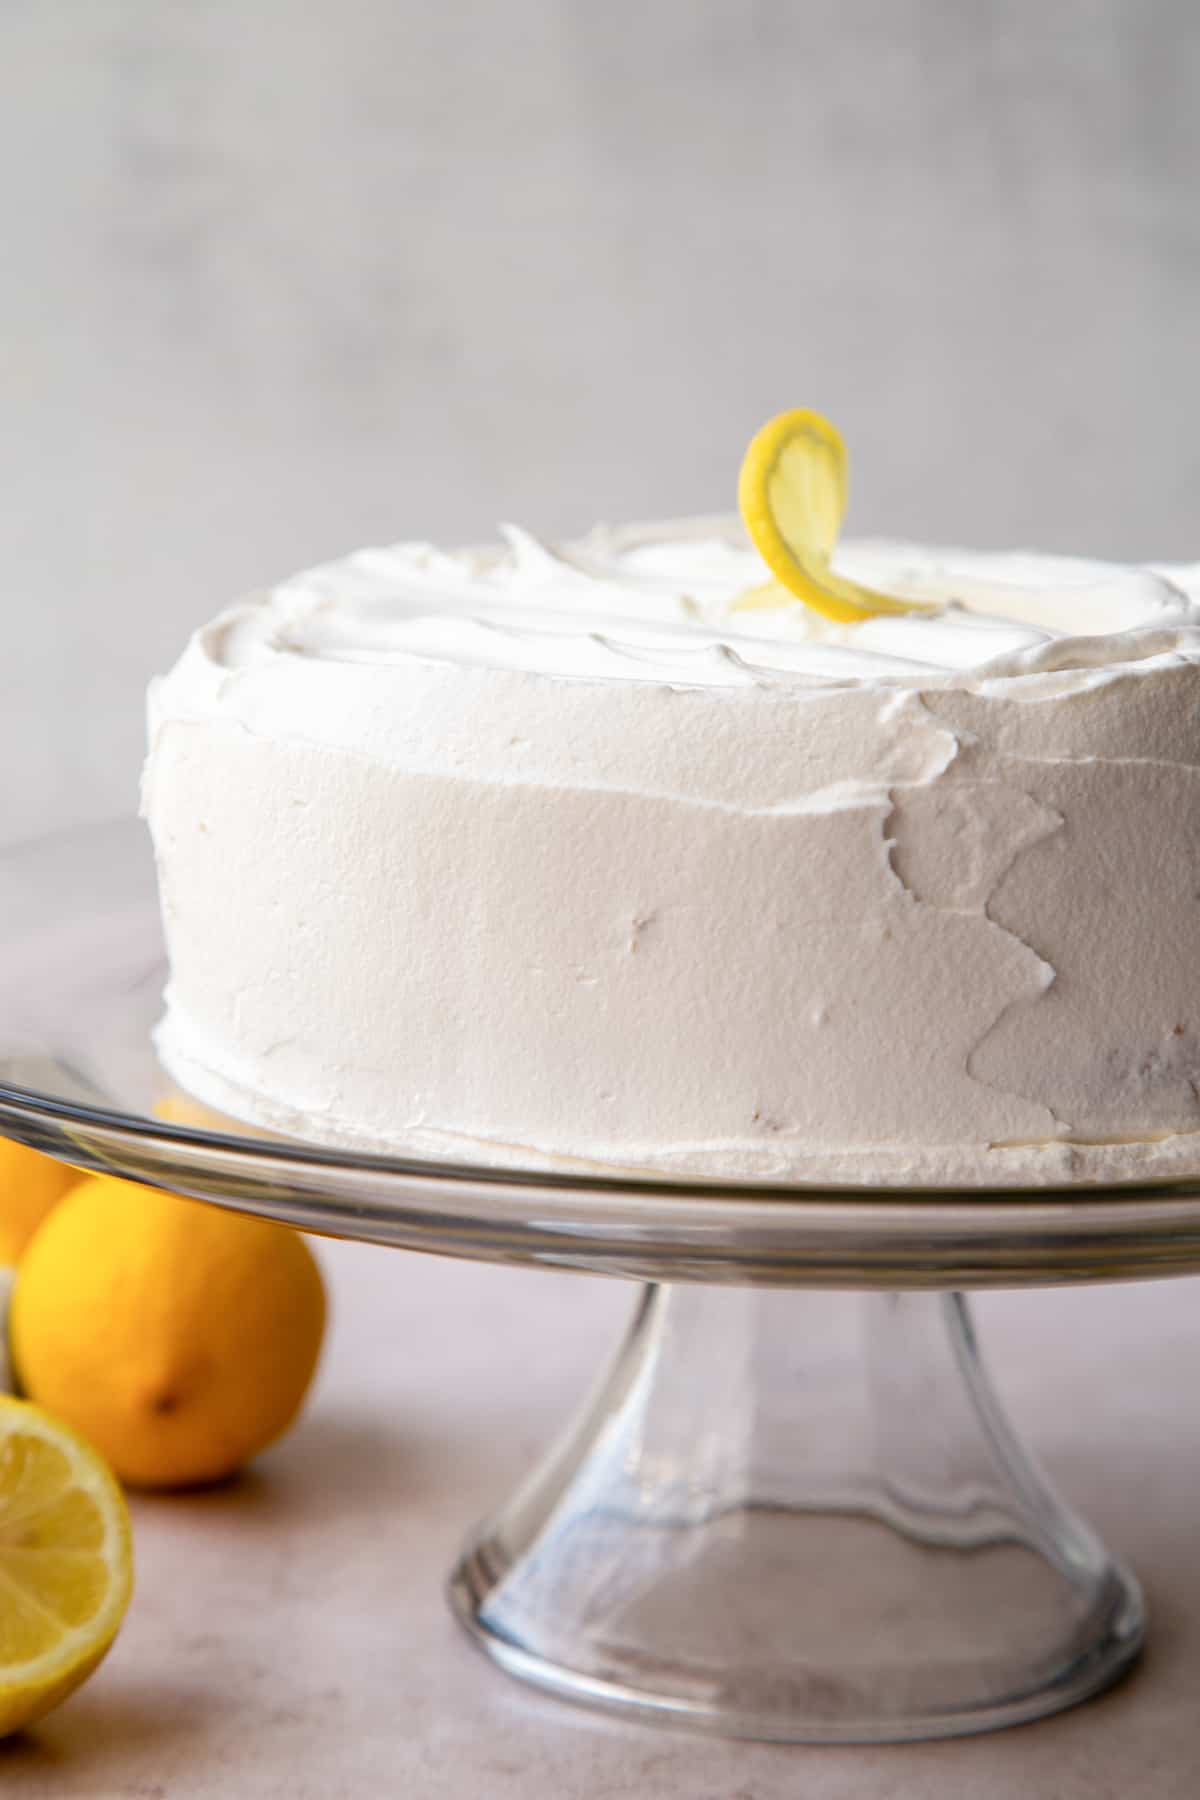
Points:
(801, 1516)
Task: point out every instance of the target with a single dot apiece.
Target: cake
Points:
(565, 858)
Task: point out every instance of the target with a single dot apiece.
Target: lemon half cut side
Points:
(792, 498)
(66, 1561)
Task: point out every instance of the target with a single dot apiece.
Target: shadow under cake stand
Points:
(792, 1507)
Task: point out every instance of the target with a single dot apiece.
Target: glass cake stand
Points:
(792, 1508)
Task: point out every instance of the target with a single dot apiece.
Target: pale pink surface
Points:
(289, 1639)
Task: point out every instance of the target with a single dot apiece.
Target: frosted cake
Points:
(571, 857)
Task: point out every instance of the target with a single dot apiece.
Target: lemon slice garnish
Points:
(792, 497)
(66, 1567)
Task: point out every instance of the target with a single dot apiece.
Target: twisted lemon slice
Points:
(792, 497)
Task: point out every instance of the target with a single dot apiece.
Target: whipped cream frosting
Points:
(564, 856)
(634, 605)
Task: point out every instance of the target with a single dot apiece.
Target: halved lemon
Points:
(66, 1561)
(792, 497)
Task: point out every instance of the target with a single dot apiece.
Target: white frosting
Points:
(562, 857)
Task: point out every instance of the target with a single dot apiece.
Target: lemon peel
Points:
(66, 1561)
(792, 498)
(181, 1338)
(30, 1186)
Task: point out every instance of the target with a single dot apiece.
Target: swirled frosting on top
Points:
(660, 604)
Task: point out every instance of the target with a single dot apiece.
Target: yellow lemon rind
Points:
(205, 1330)
(798, 552)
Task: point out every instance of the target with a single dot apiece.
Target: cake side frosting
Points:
(565, 857)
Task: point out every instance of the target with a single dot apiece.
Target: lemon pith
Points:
(66, 1562)
(792, 498)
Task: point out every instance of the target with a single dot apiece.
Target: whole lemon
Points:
(30, 1184)
(178, 1337)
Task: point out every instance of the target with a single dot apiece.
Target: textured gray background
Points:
(278, 277)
